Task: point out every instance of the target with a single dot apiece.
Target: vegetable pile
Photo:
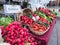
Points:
(15, 34)
(40, 20)
(35, 26)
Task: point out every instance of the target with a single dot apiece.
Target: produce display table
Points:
(45, 38)
(40, 24)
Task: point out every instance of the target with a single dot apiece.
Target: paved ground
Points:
(55, 37)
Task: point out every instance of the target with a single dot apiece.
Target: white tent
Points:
(38, 3)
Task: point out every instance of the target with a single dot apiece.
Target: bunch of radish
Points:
(26, 20)
(15, 34)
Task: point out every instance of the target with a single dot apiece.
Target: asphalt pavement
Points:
(55, 37)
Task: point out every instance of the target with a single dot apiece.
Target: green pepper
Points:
(40, 23)
(36, 12)
(29, 15)
(49, 19)
(53, 12)
(43, 15)
(45, 24)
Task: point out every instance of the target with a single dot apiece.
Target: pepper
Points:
(53, 12)
(45, 24)
(42, 15)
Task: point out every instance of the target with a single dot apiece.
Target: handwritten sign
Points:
(12, 8)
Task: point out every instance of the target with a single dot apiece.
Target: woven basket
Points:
(37, 32)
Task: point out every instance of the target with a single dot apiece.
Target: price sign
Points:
(12, 8)
(18, 0)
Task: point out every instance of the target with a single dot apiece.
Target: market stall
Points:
(38, 26)
(31, 25)
(43, 36)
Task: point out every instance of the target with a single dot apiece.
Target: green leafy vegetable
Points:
(4, 21)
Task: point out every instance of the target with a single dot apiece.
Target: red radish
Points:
(34, 15)
(16, 34)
